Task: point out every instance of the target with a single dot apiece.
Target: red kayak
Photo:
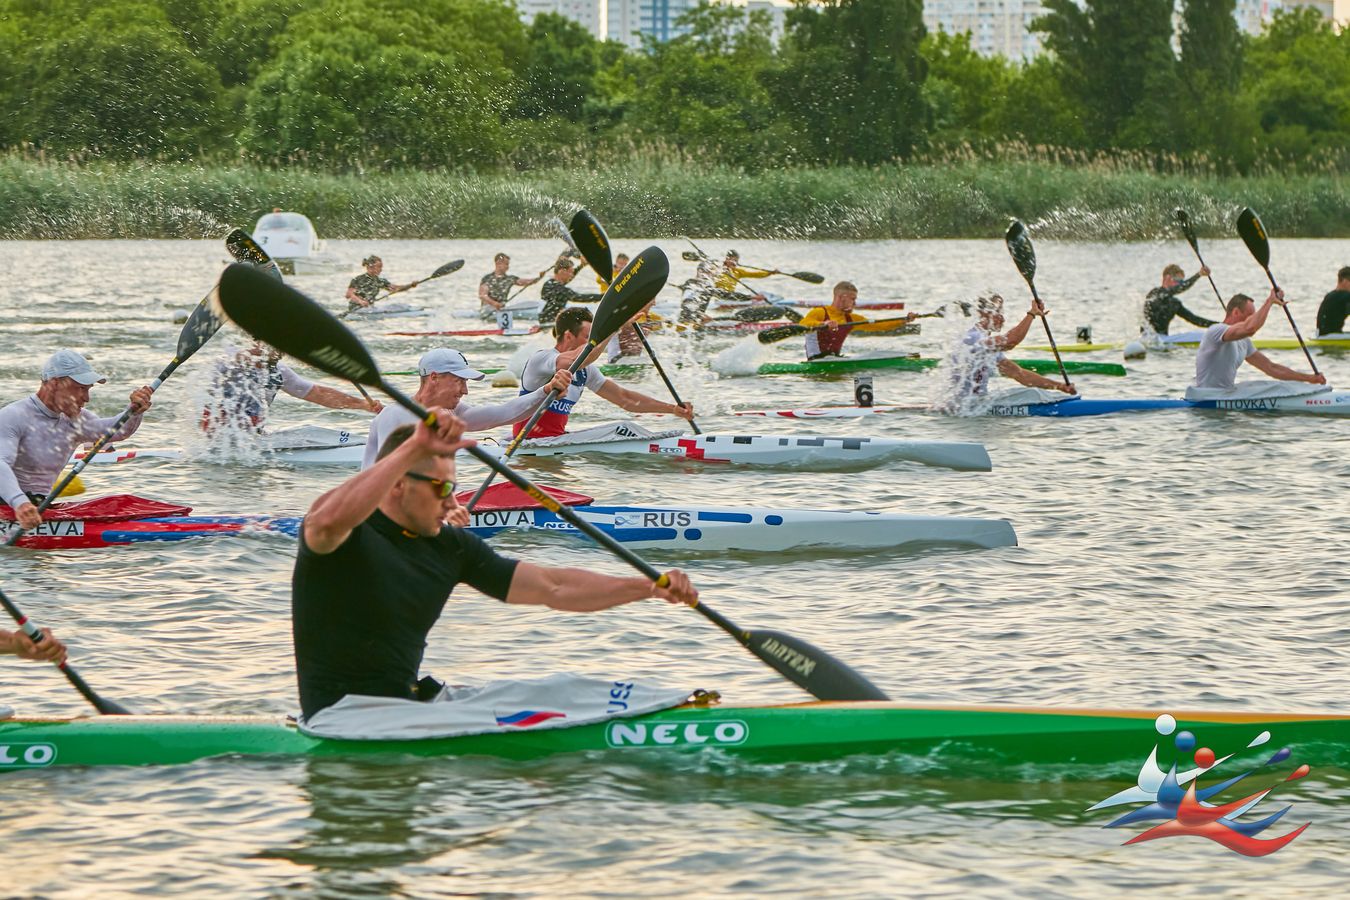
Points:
(469, 332)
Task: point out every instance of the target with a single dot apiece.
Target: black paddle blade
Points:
(244, 248)
(781, 333)
(592, 241)
(1254, 236)
(808, 277)
(691, 256)
(279, 315)
(760, 313)
(453, 266)
(633, 288)
(198, 329)
(1023, 254)
(1185, 222)
(810, 668)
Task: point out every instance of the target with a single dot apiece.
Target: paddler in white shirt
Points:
(572, 329)
(839, 320)
(247, 381)
(981, 353)
(445, 375)
(38, 433)
(1228, 344)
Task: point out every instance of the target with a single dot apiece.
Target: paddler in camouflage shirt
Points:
(495, 287)
(366, 287)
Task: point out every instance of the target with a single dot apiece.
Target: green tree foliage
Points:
(1298, 83)
(1210, 73)
(852, 77)
(706, 86)
(116, 81)
(358, 84)
(560, 70)
(967, 92)
(388, 83)
(1115, 58)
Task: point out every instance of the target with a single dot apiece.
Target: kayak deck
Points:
(1014, 736)
(845, 364)
(690, 529)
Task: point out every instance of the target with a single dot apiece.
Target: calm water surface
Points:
(1170, 560)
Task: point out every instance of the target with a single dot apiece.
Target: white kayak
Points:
(519, 309)
(628, 438)
(826, 412)
(758, 449)
(712, 528)
(387, 311)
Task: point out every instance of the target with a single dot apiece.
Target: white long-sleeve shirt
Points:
(36, 443)
(476, 418)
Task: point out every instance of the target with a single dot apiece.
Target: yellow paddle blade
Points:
(75, 488)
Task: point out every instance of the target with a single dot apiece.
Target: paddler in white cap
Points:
(445, 376)
(38, 433)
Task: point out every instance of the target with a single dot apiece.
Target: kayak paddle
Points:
(453, 266)
(1185, 222)
(640, 281)
(761, 312)
(104, 706)
(196, 332)
(783, 332)
(808, 277)
(244, 248)
(1024, 255)
(1254, 236)
(588, 236)
(293, 323)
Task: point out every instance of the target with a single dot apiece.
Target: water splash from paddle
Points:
(742, 358)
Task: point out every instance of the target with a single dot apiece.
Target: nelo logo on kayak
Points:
(53, 528)
(23, 756)
(724, 733)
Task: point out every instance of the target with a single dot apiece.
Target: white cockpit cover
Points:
(558, 701)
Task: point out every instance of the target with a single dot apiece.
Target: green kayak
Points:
(911, 363)
(798, 732)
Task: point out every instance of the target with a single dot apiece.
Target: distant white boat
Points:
(290, 239)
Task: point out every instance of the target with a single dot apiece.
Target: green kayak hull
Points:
(1007, 737)
(919, 363)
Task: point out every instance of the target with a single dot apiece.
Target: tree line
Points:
(357, 85)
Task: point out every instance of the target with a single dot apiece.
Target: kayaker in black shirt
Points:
(557, 294)
(379, 556)
(1162, 305)
(366, 287)
(1335, 306)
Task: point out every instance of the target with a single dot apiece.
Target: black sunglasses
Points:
(442, 488)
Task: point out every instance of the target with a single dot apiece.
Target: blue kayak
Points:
(1325, 403)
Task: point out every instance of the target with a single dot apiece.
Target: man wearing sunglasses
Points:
(445, 381)
(379, 556)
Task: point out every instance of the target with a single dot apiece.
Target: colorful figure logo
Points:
(1185, 811)
(527, 717)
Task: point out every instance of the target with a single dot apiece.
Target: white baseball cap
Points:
(69, 364)
(443, 359)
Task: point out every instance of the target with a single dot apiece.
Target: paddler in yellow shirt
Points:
(732, 274)
(839, 320)
(619, 262)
